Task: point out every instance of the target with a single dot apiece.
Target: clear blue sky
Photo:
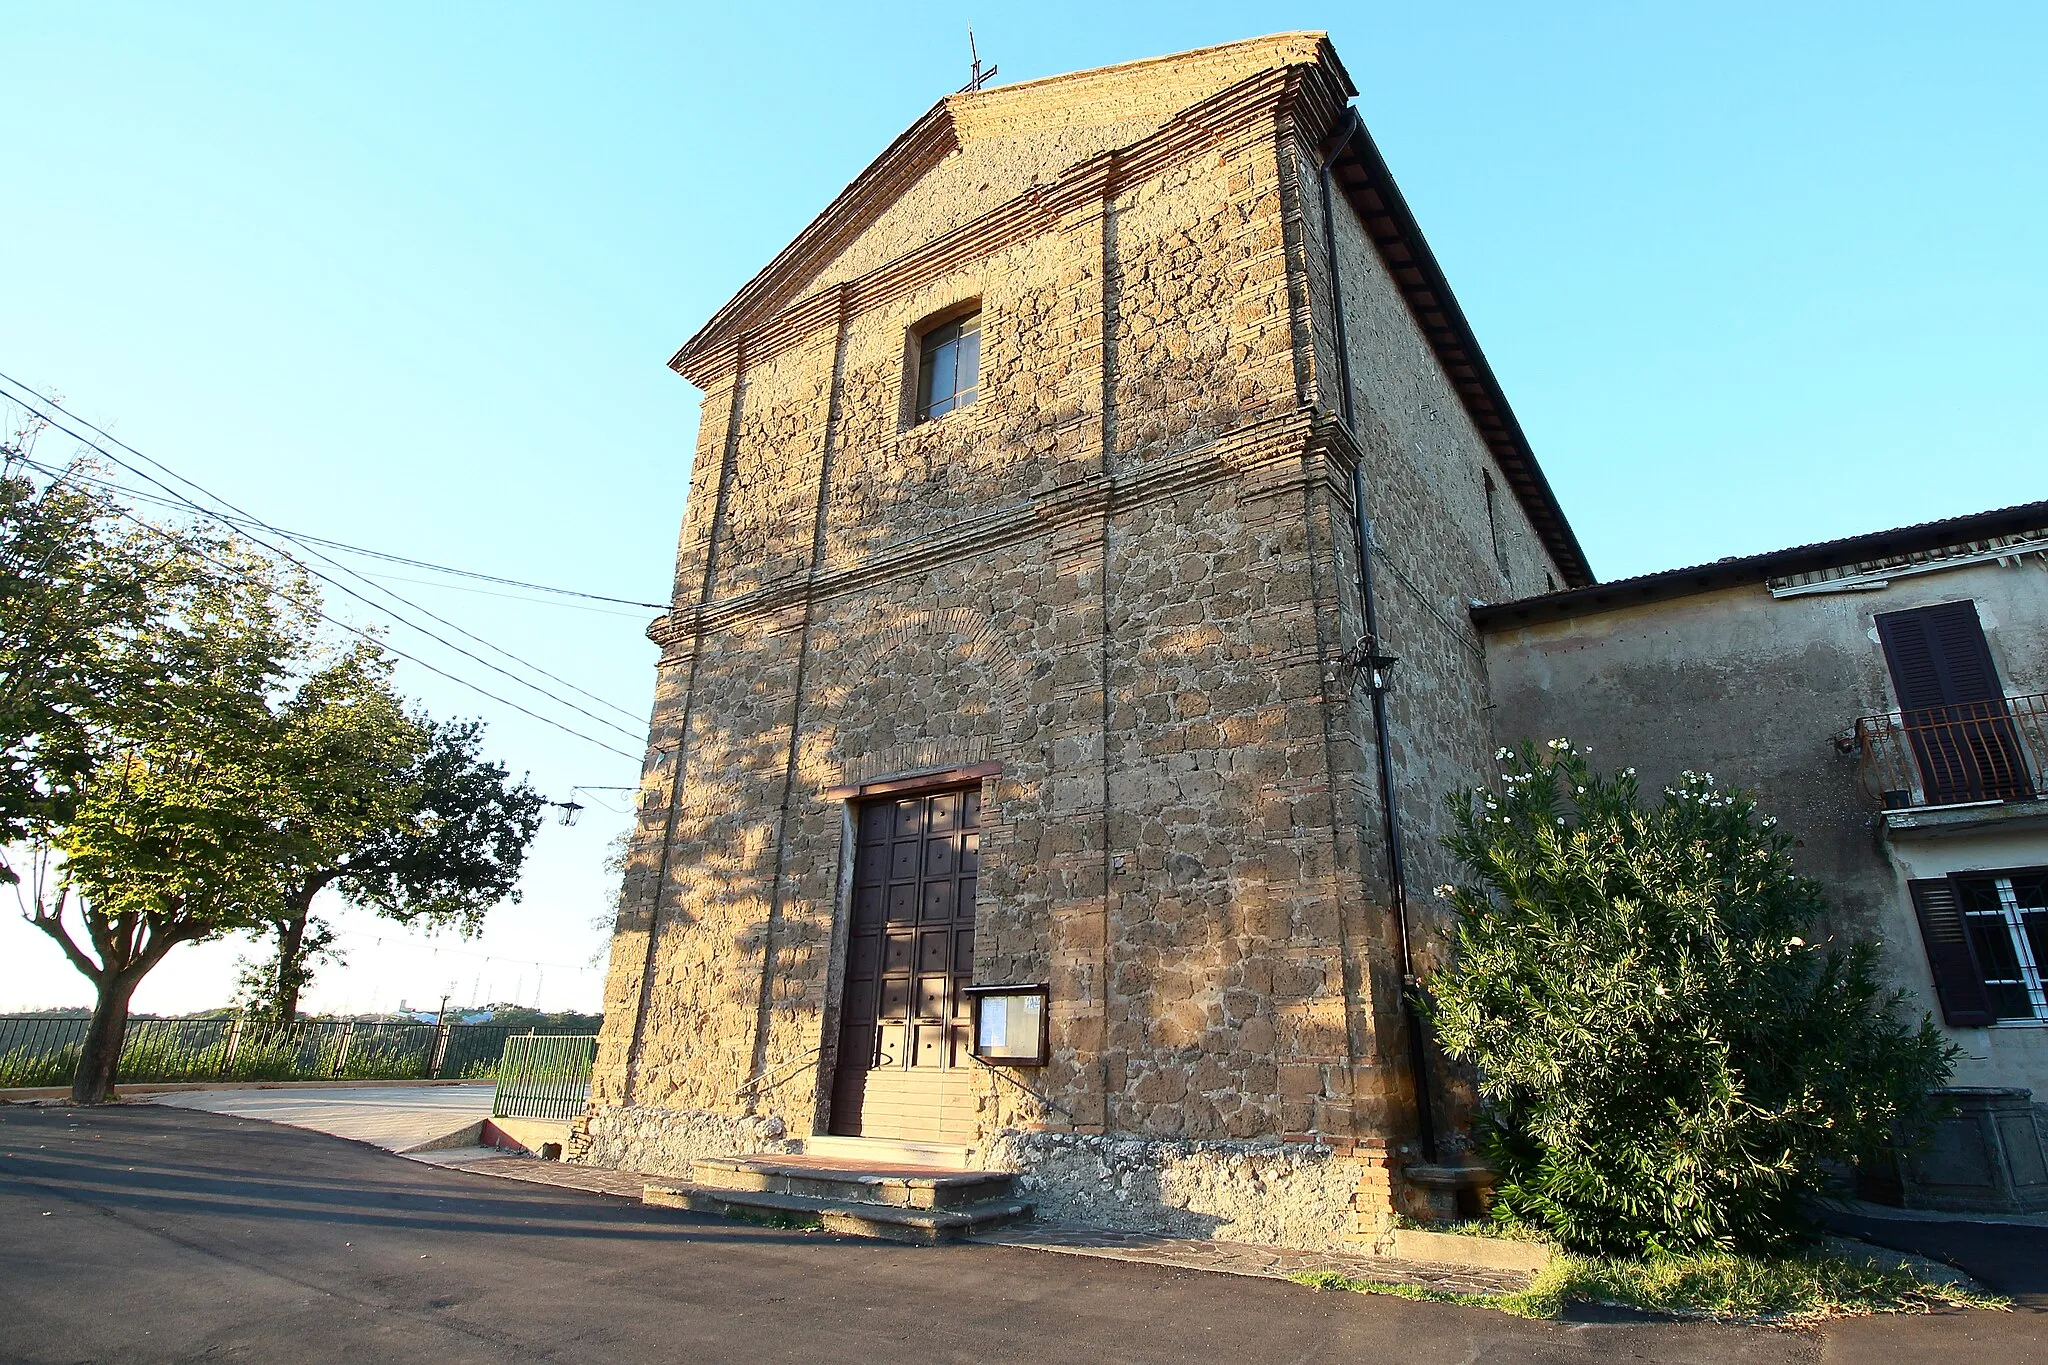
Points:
(1751, 274)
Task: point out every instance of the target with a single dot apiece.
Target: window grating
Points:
(2007, 920)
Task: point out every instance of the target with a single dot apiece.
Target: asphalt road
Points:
(151, 1233)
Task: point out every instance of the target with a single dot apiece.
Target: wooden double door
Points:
(905, 1015)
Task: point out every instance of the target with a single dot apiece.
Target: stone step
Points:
(860, 1151)
(849, 1218)
(910, 1187)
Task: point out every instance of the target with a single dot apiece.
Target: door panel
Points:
(911, 954)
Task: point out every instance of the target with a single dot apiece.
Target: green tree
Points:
(177, 817)
(1666, 1058)
(415, 825)
(75, 579)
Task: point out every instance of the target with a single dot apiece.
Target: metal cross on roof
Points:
(976, 77)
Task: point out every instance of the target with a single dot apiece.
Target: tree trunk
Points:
(93, 1082)
(291, 975)
(292, 948)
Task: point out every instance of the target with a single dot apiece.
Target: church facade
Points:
(1070, 652)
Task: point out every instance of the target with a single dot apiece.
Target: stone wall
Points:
(1126, 575)
(666, 1141)
(1266, 1193)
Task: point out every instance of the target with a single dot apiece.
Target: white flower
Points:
(1798, 942)
(1582, 791)
(1502, 753)
(1444, 892)
(1560, 819)
(1662, 992)
(1630, 771)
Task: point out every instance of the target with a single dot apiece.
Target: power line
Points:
(312, 606)
(507, 596)
(307, 537)
(75, 474)
(250, 519)
(471, 573)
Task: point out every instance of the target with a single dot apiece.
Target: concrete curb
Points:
(1478, 1253)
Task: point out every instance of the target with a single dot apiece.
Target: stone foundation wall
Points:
(1275, 1194)
(667, 1141)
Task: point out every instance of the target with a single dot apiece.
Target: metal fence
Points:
(42, 1050)
(1956, 754)
(544, 1077)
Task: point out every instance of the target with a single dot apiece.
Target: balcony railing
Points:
(1955, 755)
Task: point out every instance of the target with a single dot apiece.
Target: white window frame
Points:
(2009, 912)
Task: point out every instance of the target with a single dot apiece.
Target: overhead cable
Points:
(248, 519)
(343, 625)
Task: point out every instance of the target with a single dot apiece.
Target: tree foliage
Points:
(420, 828)
(74, 580)
(159, 811)
(1666, 1058)
(183, 756)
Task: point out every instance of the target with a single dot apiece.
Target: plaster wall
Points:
(1754, 689)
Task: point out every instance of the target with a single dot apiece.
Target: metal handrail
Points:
(1003, 1074)
(759, 1084)
(1957, 754)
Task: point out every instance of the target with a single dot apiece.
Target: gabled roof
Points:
(1107, 96)
(1121, 102)
(1993, 530)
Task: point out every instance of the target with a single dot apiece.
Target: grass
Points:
(1781, 1290)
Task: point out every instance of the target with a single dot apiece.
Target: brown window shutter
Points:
(1957, 978)
(1938, 656)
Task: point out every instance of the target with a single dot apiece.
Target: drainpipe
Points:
(1376, 663)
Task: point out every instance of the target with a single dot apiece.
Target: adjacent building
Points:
(1886, 696)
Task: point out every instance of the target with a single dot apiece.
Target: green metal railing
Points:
(542, 1077)
(42, 1050)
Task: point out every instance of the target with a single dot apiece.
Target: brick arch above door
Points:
(914, 691)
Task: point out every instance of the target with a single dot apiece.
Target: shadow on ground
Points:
(150, 1233)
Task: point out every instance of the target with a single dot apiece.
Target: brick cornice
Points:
(1245, 109)
(1258, 452)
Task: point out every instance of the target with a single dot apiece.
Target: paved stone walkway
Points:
(1180, 1253)
(396, 1118)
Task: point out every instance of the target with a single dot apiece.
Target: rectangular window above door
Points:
(949, 367)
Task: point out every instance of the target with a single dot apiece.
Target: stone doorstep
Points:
(900, 1187)
(1262, 1262)
(872, 1153)
(848, 1217)
(1470, 1252)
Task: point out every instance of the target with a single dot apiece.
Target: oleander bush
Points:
(1667, 1057)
